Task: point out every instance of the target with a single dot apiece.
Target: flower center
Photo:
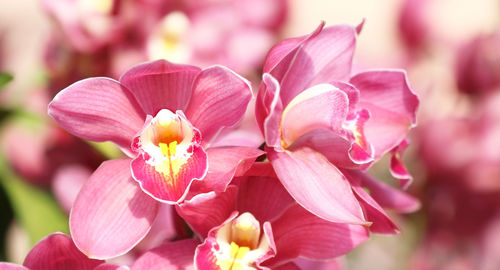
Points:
(239, 241)
(167, 141)
(170, 156)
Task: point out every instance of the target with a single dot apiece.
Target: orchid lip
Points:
(240, 243)
(170, 156)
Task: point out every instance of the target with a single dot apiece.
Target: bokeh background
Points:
(450, 49)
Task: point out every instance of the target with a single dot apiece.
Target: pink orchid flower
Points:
(163, 116)
(65, 65)
(58, 252)
(468, 156)
(254, 224)
(50, 149)
(207, 32)
(413, 25)
(477, 69)
(89, 25)
(323, 125)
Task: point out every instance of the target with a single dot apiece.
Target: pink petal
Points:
(163, 229)
(398, 169)
(361, 150)
(109, 266)
(392, 105)
(264, 169)
(340, 151)
(335, 264)
(33, 165)
(322, 106)
(338, 132)
(268, 110)
(171, 187)
(317, 185)
(299, 233)
(67, 183)
(351, 92)
(220, 98)
(170, 256)
(11, 266)
(161, 85)
(98, 109)
(111, 214)
(322, 58)
(208, 210)
(287, 266)
(245, 133)
(359, 27)
(381, 222)
(224, 164)
(264, 197)
(282, 54)
(386, 195)
(57, 252)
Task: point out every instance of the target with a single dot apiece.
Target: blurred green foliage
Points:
(5, 78)
(35, 209)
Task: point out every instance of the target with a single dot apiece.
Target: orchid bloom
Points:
(322, 125)
(88, 24)
(205, 32)
(58, 252)
(50, 149)
(254, 224)
(477, 69)
(163, 116)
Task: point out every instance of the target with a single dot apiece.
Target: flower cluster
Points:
(303, 194)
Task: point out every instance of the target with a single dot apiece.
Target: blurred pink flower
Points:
(203, 33)
(88, 25)
(67, 182)
(57, 252)
(467, 146)
(164, 117)
(323, 125)
(413, 25)
(478, 64)
(65, 65)
(207, 32)
(462, 191)
(50, 148)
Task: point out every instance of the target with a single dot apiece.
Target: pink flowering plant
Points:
(163, 116)
(324, 126)
(305, 199)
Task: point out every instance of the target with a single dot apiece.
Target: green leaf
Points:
(5, 78)
(107, 149)
(35, 209)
